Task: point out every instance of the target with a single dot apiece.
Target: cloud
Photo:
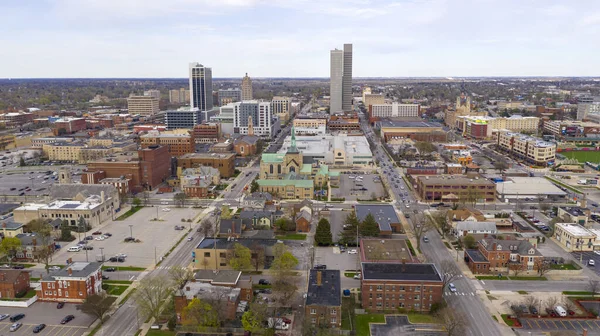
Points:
(558, 10)
(591, 19)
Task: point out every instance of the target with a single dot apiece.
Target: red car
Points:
(96, 233)
(286, 320)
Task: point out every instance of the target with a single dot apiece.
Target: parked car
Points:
(129, 239)
(104, 277)
(533, 310)
(88, 247)
(15, 326)
(320, 267)
(16, 317)
(74, 248)
(89, 238)
(109, 269)
(353, 251)
(67, 319)
(60, 305)
(96, 233)
(108, 234)
(112, 259)
(264, 282)
(100, 238)
(591, 262)
(4, 317)
(18, 266)
(38, 328)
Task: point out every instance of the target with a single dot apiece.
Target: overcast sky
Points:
(292, 38)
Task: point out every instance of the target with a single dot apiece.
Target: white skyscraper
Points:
(340, 85)
(201, 87)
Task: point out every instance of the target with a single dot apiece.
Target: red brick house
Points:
(303, 219)
(502, 256)
(13, 282)
(73, 283)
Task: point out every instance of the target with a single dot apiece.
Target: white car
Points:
(592, 262)
(452, 288)
(4, 317)
(166, 209)
(99, 238)
(122, 255)
(75, 248)
(353, 251)
(597, 252)
(190, 238)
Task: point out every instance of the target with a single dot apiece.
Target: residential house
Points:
(303, 219)
(10, 228)
(13, 283)
(503, 256)
(259, 219)
(409, 286)
(324, 299)
(31, 244)
(468, 227)
(228, 278)
(225, 299)
(257, 200)
(464, 215)
(212, 253)
(73, 283)
(233, 227)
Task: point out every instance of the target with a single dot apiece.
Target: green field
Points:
(583, 156)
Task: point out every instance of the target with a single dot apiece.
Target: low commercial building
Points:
(196, 182)
(344, 124)
(177, 142)
(213, 253)
(415, 130)
(324, 298)
(13, 283)
(142, 105)
(455, 189)
(528, 187)
(40, 142)
(574, 237)
(15, 119)
(207, 132)
(462, 229)
(94, 210)
(527, 148)
(574, 215)
(409, 286)
(385, 216)
(385, 250)
(336, 150)
(73, 283)
(68, 125)
(310, 126)
(225, 163)
(562, 129)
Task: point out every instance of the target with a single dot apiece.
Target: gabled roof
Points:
(304, 214)
(79, 270)
(8, 276)
(263, 196)
(250, 214)
(462, 214)
(521, 247)
(476, 226)
(69, 191)
(233, 225)
(272, 157)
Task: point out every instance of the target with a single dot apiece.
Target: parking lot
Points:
(353, 187)
(332, 257)
(38, 182)
(560, 324)
(46, 312)
(157, 237)
(586, 256)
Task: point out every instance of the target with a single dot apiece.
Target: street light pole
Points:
(102, 253)
(131, 230)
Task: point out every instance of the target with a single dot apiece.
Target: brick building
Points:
(225, 163)
(389, 286)
(324, 299)
(208, 132)
(178, 143)
(15, 119)
(13, 282)
(147, 168)
(73, 283)
(503, 256)
(455, 188)
(69, 126)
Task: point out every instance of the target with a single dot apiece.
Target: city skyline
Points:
(428, 38)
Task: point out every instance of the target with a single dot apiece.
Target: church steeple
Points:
(250, 126)
(293, 148)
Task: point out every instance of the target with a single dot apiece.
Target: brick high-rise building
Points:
(246, 88)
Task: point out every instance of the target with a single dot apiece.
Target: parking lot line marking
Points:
(563, 324)
(4, 326)
(51, 331)
(591, 325)
(572, 325)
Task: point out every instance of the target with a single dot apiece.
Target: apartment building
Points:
(225, 163)
(229, 96)
(256, 112)
(455, 189)
(310, 126)
(40, 142)
(527, 148)
(177, 142)
(323, 305)
(207, 132)
(142, 105)
(282, 107)
(391, 286)
(481, 127)
(394, 110)
(73, 283)
(179, 96)
(214, 253)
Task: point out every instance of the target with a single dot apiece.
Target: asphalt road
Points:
(534, 286)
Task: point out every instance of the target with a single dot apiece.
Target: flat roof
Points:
(384, 250)
(400, 272)
(454, 180)
(574, 211)
(476, 256)
(575, 229)
(207, 156)
(527, 186)
(328, 291)
(409, 124)
(384, 214)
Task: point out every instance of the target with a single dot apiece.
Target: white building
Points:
(336, 150)
(469, 227)
(142, 105)
(260, 113)
(395, 110)
(335, 80)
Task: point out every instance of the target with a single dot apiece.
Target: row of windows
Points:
(394, 288)
(416, 306)
(400, 296)
(333, 311)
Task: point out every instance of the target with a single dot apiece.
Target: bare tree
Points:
(593, 286)
(543, 267)
(207, 226)
(146, 197)
(97, 305)
(516, 268)
(454, 321)
(568, 304)
(531, 301)
(180, 275)
(448, 271)
(545, 206)
(442, 222)
(551, 302)
(420, 227)
(151, 294)
(44, 248)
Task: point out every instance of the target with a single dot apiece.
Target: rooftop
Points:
(207, 156)
(203, 290)
(476, 256)
(224, 243)
(574, 211)
(215, 277)
(9, 276)
(286, 182)
(69, 191)
(384, 250)
(324, 288)
(524, 186)
(409, 124)
(454, 180)
(384, 214)
(523, 137)
(475, 226)
(79, 270)
(522, 247)
(400, 272)
(575, 230)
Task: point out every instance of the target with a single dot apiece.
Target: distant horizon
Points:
(293, 39)
(323, 78)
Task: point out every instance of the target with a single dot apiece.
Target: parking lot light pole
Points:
(131, 230)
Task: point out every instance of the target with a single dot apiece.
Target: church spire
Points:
(293, 148)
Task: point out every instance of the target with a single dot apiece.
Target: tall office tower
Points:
(347, 79)
(336, 81)
(201, 87)
(246, 88)
(152, 93)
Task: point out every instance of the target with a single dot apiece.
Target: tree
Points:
(260, 144)
(545, 206)
(45, 247)
(469, 241)
(500, 165)
(543, 267)
(593, 287)
(240, 258)
(9, 246)
(65, 233)
(151, 294)
(349, 233)
(425, 147)
(531, 301)
(180, 199)
(323, 233)
(137, 202)
(369, 227)
(97, 305)
(516, 268)
(441, 220)
(200, 314)
(258, 255)
(22, 162)
(207, 228)
(254, 186)
(448, 272)
(454, 321)
(285, 224)
(284, 261)
(253, 319)
(420, 227)
(180, 275)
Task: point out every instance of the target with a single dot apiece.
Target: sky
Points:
(292, 38)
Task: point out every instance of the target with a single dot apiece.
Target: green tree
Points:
(323, 234)
(151, 294)
(348, 234)
(22, 162)
(241, 257)
(253, 319)
(254, 186)
(45, 243)
(285, 224)
(369, 227)
(137, 202)
(65, 233)
(9, 247)
(200, 314)
(283, 261)
(469, 242)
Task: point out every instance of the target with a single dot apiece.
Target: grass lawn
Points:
(522, 292)
(125, 268)
(508, 322)
(34, 279)
(25, 265)
(116, 289)
(362, 323)
(160, 333)
(292, 236)
(564, 185)
(122, 282)
(491, 277)
(492, 298)
(261, 286)
(420, 318)
(348, 316)
(569, 267)
(529, 278)
(129, 213)
(577, 293)
(349, 274)
(583, 156)
(495, 318)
